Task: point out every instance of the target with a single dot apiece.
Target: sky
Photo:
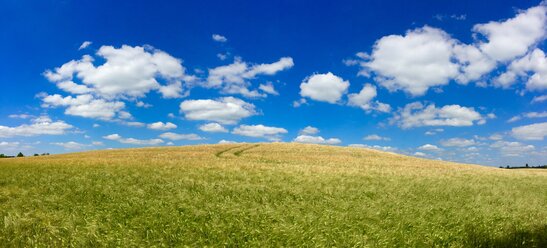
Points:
(461, 81)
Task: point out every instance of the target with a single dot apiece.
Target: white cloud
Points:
(309, 130)
(528, 115)
(132, 123)
(234, 78)
(375, 137)
(535, 131)
(226, 110)
(316, 140)
(299, 103)
(173, 90)
(176, 136)
(260, 131)
(268, 88)
(97, 143)
(375, 147)
(133, 141)
(213, 128)
(42, 125)
(513, 37)
(127, 72)
(20, 116)
(430, 147)
(434, 131)
(532, 68)
(227, 142)
(496, 137)
(71, 145)
(416, 115)
(512, 149)
(84, 45)
(222, 56)
(539, 99)
(428, 57)
(363, 100)
(420, 154)
(161, 126)
(142, 104)
(414, 62)
(219, 38)
(458, 142)
(87, 106)
(9, 146)
(324, 87)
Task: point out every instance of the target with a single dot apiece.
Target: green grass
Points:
(266, 195)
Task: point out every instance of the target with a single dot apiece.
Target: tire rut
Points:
(219, 154)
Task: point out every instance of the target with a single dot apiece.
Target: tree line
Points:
(20, 154)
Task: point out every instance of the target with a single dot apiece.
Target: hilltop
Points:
(271, 194)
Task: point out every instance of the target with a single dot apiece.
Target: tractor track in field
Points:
(236, 153)
(219, 154)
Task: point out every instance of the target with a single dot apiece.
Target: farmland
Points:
(276, 194)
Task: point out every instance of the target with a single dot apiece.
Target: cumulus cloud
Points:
(235, 78)
(161, 126)
(316, 140)
(528, 115)
(430, 147)
(363, 100)
(428, 57)
(309, 130)
(20, 116)
(42, 125)
(512, 149)
(71, 145)
(414, 62)
(536, 131)
(324, 87)
(126, 72)
(375, 147)
(268, 88)
(434, 131)
(531, 68)
(420, 154)
(417, 114)
(375, 137)
(513, 37)
(176, 136)
(213, 128)
(260, 131)
(226, 110)
(457, 142)
(10, 146)
(219, 38)
(87, 106)
(132, 141)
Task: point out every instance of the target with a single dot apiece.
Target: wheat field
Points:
(266, 195)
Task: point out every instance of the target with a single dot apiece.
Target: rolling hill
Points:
(271, 194)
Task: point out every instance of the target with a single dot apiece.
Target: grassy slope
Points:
(266, 195)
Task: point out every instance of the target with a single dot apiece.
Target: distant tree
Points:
(2, 155)
(527, 166)
(36, 154)
(20, 154)
(507, 167)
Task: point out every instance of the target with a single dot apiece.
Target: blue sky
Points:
(453, 80)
